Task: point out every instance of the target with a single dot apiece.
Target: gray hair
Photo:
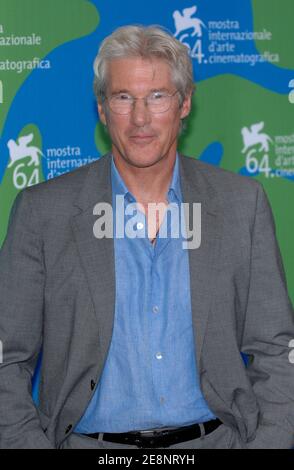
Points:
(145, 42)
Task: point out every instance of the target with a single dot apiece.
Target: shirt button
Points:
(162, 400)
(140, 225)
(155, 309)
(158, 355)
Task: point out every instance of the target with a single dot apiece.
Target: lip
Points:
(141, 138)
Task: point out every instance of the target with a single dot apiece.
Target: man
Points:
(142, 335)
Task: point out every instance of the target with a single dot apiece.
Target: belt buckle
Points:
(152, 439)
(150, 442)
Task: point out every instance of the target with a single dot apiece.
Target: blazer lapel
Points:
(97, 255)
(203, 260)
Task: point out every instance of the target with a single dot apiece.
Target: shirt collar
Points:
(175, 186)
(119, 186)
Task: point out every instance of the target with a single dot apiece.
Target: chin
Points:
(143, 159)
(143, 162)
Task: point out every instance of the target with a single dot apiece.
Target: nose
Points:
(140, 114)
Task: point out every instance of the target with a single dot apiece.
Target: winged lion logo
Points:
(22, 149)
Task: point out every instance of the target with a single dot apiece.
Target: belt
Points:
(161, 437)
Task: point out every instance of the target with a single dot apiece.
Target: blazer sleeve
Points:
(22, 275)
(269, 328)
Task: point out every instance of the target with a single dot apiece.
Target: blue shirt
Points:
(150, 377)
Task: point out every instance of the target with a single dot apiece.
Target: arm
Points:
(21, 314)
(269, 327)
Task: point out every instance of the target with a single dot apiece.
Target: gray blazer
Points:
(57, 291)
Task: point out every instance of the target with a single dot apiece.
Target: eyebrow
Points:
(124, 90)
(120, 91)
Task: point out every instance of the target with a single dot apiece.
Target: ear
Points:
(101, 113)
(186, 106)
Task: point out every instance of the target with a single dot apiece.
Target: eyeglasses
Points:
(156, 102)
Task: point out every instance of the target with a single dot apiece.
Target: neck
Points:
(148, 184)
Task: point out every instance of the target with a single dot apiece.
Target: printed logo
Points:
(188, 27)
(252, 137)
(185, 21)
(22, 150)
(268, 155)
(223, 41)
(18, 151)
(255, 143)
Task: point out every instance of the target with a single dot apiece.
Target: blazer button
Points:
(93, 384)
(68, 428)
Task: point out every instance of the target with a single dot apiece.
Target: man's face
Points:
(142, 138)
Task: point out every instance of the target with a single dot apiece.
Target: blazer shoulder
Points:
(220, 178)
(72, 180)
(57, 195)
(233, 192)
